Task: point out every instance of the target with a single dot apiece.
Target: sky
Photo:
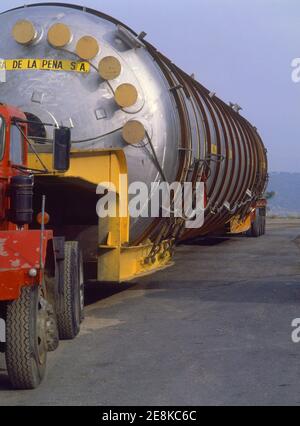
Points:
(240, 49)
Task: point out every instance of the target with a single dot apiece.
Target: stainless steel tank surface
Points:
(129, 95)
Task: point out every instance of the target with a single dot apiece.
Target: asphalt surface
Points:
(214, 329)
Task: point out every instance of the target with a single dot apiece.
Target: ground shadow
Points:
(205, 241)
(96, 291)
(4, 381)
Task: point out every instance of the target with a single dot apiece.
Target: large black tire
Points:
(26, 351)
(258, 227)
(263, 220)
(71, 314)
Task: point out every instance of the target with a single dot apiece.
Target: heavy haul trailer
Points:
(134, 117)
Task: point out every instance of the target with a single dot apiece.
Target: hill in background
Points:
(286, 201)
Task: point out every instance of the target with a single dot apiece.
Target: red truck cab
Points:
(19, 247)
(41, 285)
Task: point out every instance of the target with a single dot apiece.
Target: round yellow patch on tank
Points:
(24, 32)
(133, 132)
(126, 95)
(87, 47)
(59, 35)
(109, 68)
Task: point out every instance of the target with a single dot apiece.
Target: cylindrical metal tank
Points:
(194, 134)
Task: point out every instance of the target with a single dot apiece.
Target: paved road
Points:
(213, 329)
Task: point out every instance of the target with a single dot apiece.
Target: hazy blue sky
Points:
(242, 49)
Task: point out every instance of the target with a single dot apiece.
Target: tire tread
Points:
(18, 342)
(65, 319)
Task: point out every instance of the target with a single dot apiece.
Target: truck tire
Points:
(71, 314)
(254, 230)
(258, 227)
(263, 220)
(26, 352)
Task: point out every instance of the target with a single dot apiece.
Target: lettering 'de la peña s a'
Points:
(44, 64)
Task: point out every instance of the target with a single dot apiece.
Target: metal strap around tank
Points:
(211, 219)
(167, 229)
(243, 143)
(250, 131)
(235, 143)
(252, 165)
(203, 116)
(225, 216)
(217, 220)
(157, 223)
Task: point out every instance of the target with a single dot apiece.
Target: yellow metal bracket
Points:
(118, 261)
(238, 226)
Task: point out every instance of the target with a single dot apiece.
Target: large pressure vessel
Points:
(94, 74)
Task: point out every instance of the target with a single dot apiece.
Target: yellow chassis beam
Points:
(118, 261)
(121, 263)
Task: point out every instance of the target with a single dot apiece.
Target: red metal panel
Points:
(19, 252)
(12, 281)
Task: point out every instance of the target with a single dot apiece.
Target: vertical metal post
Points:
(42, 232)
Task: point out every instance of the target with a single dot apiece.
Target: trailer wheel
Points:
(258, 227)
(254, 230)
(71, 314)
(26, 350)
(263, 220)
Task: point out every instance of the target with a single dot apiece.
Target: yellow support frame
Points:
(238, 226)
(118, 261)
